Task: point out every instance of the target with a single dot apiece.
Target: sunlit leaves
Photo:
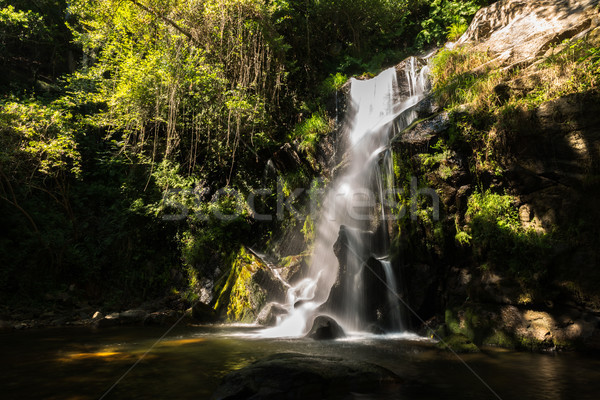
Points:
(37, 138)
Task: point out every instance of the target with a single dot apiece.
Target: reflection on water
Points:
(83, 364)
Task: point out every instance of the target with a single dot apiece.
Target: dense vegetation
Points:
(495, 121)
(114, 115)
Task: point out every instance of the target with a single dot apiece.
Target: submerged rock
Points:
(300, 376)
(325, 328)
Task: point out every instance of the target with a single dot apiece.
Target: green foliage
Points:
(309, 131)
(447, 19)
(333, 83)
(493, 207)
(24, 25)
(164, 103)
(498, 236)
(463, 238)
(308, 230)
(456, 30)
(34, 44)
(38, 137)
(463, 76)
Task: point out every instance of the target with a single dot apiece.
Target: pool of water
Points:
(190, 362)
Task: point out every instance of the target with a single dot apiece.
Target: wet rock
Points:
(268, 315)
(162, 318)
(325, 328)
(355, 247)
(250, 285)
(60, 321)
(300, 303)
(423, 134)
(286, 158)
(299, 376)
(132, 316)
(459, 344)
(108, 321)
(422, 276)
(376, 329)
(427, 107)
(203, 313)
(293, 268)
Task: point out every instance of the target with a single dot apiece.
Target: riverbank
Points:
(65, 310)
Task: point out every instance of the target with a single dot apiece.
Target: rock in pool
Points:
(301, 376)
(325, 328)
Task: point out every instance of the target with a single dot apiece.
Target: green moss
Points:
(459, 344)
(452, 322)
(532, 344)
(499, 237)
(501, 339)
(240, 297)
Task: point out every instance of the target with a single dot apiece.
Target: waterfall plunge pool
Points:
(189, 363)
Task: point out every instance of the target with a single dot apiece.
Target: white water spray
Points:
(355, 200)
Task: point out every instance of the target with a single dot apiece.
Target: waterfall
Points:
(355, 206)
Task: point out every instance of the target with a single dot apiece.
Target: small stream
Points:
(190, 362)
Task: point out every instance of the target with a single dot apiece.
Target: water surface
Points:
(190, 362)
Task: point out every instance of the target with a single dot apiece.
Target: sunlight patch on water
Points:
(104, 355)
(180, 342)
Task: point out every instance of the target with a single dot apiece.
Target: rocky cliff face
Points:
(518, 31)
(513, 260)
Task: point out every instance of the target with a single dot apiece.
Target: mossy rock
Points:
(500, 339)
(249, 287)
(474, 321)
(459, 344)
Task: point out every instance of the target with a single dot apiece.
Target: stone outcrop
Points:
(300, 376)
(269, 314)
(325, 328)
(250, 285)
(375, 307)
(515, 32)
(547, 159)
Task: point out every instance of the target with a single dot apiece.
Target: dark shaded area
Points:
(294, 375)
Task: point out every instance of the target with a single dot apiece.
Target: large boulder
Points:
(300, 376)
(250, 285)
(517, 31)
(325, 328)
(356, 248)
(270, 313)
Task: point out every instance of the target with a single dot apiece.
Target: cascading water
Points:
(355, 205)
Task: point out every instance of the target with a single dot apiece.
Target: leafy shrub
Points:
(447, 17)
(456, 30)
(333, 83)
(498, 236)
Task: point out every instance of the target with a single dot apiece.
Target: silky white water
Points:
(377, 110)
